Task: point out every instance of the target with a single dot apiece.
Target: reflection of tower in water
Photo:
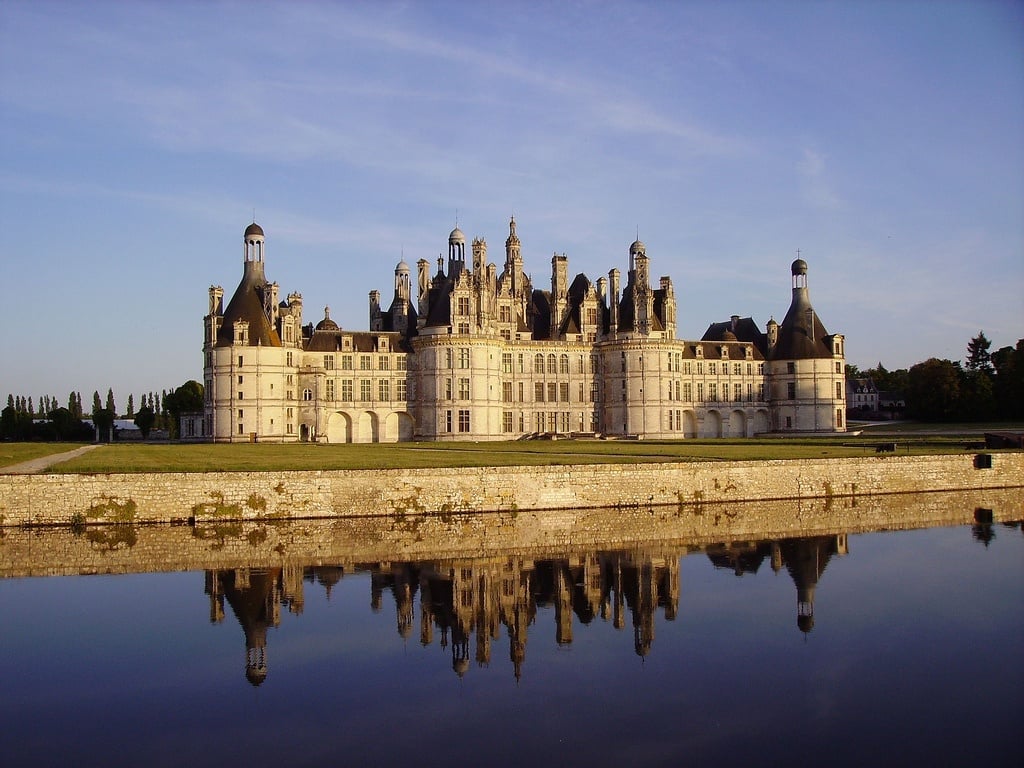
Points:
(805, 559)
(254, 597)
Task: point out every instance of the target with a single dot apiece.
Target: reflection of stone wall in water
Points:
(221, 497)
(344, 542)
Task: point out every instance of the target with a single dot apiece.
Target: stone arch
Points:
(713, 424)
(339, 428)
(761, 422)
(367, 428)
(689, 424)
(398, 427)
(737, 423)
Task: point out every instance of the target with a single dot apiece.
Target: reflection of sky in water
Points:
(914, 657)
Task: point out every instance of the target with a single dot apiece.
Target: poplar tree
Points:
(97, 404)
(131, 406)
(110, 401)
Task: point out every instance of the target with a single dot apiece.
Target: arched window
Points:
(538, 363)
(552, 364)
(307, 394)
(563, 364)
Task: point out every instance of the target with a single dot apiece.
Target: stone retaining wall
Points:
(61, 499)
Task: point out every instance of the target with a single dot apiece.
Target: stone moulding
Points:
(269, 496)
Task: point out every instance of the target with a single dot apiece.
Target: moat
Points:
(899, 647)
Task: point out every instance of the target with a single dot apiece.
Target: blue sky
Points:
(882, 139)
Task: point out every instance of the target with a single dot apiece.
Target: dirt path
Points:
(44, 462)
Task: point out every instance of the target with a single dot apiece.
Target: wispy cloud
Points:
(814, 183)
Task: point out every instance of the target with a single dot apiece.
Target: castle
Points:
(467, 353)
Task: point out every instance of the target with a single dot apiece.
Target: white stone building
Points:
(467, 353)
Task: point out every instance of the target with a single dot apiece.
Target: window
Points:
(839, 367)
(713, 369)
(384, 390)
(464, 328)
(521, 397)
(447, 421)
(288, 359)
(839, 417)
(463, 357)
(737, 369)
(552, 364)
(240, 395)
(791, 391)
(449, 358)
(563, 392)
(564, 421)
(688, 392)
(364, 363)
(289, 379)
(552, 392)
(346, 389)
(241, 413)
(505, 316)
(239, 379)
(464, 389)
(330, 389)
(329, 362)
(239, 361)
(384, 363)
(522, 369)
(400, 390)
(364, 390)
(240, 430)
(463, 305)
(790, 367)
(506, 362)
(506, 391)
(538, 392)
(700, 392)
(464, 421)
(839, 390)
(538, 363)
(737, 392)
(401, 363)
(307, 394)
(700, 368)
(506, 421)
(448, 389)
(563, 364)
(713, 392)
(346, 362)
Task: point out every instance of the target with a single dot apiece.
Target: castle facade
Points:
(468, 353)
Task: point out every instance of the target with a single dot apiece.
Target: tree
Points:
(10, 401)
(186, 398)
(110, 401)
(978, 358)
(144, 420)
(1008, 388)
(131, 406)
(933, 390)
(103, 420)
(96, 404)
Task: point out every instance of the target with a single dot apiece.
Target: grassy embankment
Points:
(15, 453)
(245, 457)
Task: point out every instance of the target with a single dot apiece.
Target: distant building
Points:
(466, 353)
(861, 395)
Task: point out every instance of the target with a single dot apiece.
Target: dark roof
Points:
(254, 229)
(247, 304)
(741, 329)
(802, 335)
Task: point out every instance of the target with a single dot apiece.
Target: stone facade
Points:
(273, 496)
(467, 353)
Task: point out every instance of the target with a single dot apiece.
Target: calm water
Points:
(891, 648)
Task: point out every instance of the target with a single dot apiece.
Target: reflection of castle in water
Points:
(804, 558)
(463, 600)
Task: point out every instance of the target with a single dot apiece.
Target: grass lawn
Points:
(206, 457)
(15, 453)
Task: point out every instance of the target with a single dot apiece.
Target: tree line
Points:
(46, 418)
(987, 386)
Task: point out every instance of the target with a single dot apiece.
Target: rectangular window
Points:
(400, 389)
(521, 396)
(713, 392)
(564, 422)
(552, 421)
(448, 389)
(713, 369)
(464, 328)
(384, 390)
(329, 362)
(239, 379)
(791, 391)
(463, 357)
(506, 421)
(522, 368)
(700, 392)
(346, 362)
(463, 305)
(288, 358)
(737, 369)
(506, 391)
(464, 421)
(447, 421)
(839, 390)
(700, 368)
(240, 394)
(364, 363)
(401, 363)
(330, 389)
(239, 361)
(737, 392)
(538, 422)
(383, 363)
(506, 362)
(790, 367)
(505, 316)
(688, 392)
(464, 389)
(563, 392)
(538, 392)
(364, 390)
(240, 430)
(552, 392)
(449, 360)
(240, 413)
(346, 389)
